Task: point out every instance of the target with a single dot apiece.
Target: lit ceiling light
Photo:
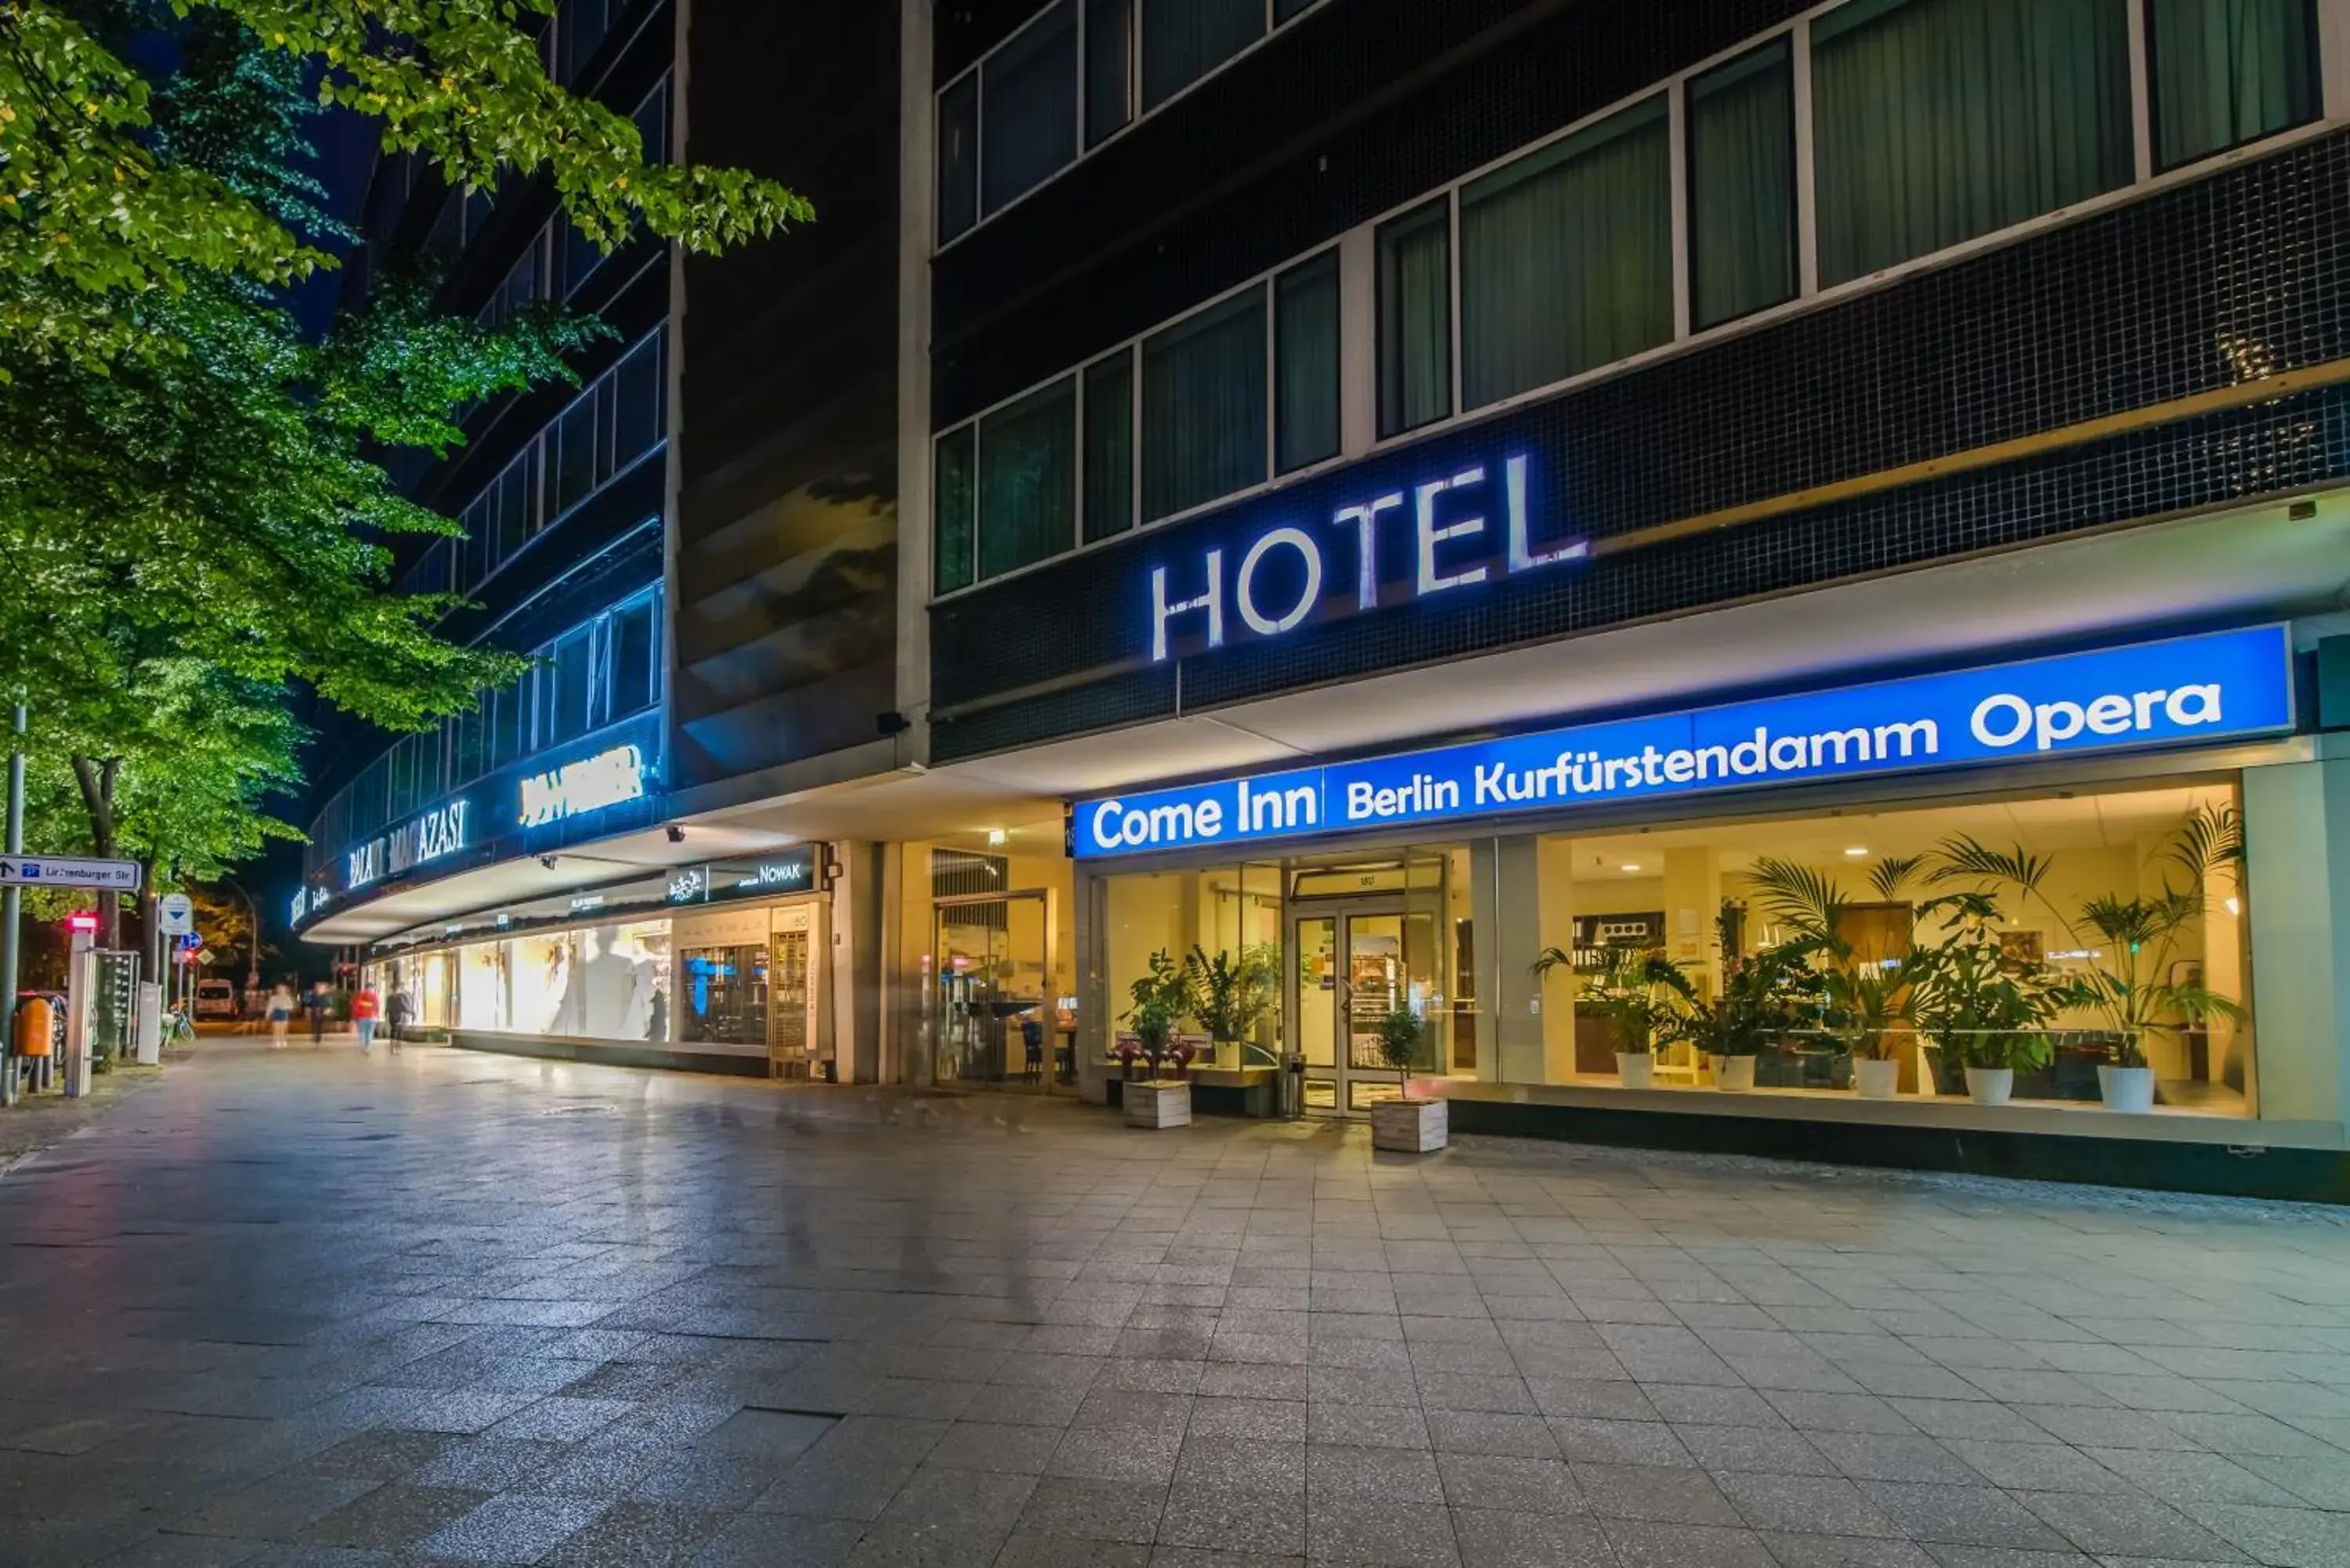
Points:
(1858, 852)
(1631, 867)
(995, 835)
(2235, 906)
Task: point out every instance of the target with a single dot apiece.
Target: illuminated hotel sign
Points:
(593, 783)
(2224, 686)
(1278, 582)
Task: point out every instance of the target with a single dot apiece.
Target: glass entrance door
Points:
(1357, 965)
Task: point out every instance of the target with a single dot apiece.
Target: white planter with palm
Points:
(1642, 994)
(1863, 994)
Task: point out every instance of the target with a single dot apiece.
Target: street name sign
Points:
(31, 871)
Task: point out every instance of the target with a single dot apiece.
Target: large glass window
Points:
(1741, 186)
(722, 997)
(1028, 97)
(636, 658)
(1566, 257)
(575, 443)
(510, 735)
(1027, 479)
(1203, 407)
(1183, 40)
(953, 559)
(637, 396)
(1306, 360)
(1939, 121)
(1109, 68)
(959, 157)
(2229, 71)
(564, 684)
(1415, 261)
(1110, 446)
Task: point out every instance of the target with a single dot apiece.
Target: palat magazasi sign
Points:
(2196, 688)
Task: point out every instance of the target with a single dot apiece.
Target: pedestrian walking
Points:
(281, 1016)
(396, 1012)
(365, 1006)
(317, 1002)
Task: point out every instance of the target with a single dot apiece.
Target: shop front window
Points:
(2040, 938)
(724, 995)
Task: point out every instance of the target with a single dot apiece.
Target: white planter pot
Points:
(1876, 1080)
(1989, 1086)
(2126, 1088)
(1410, 1126)
(1636, 1069)
(1157, 1104)
(1734, 1074)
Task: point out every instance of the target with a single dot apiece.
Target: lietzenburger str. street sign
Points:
(42, 871)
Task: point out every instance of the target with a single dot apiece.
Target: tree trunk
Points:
(96, 780)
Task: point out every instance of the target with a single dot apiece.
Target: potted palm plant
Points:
(1639, 992)
(2133, 944)
(1162, 999)
(1232, 994)
(1864, 995)
(1983, 1006)
(1758, 1005)
(1404, 1124)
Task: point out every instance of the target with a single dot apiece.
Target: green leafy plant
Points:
(2135, 943)
(1863, 996)
(1162, 998)
(1234, 992)
(1400, 1034)
(1980, 1004)
(1640, 992)
(1763, 998)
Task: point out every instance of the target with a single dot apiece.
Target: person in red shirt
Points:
(366, 1008)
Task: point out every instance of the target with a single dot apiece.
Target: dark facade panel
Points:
(2154, 302)
(785, 552)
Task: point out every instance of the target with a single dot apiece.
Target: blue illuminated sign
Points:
(1279, 581)
(2194, 688)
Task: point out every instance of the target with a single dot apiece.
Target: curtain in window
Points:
(1742, 185)
(1109, 63)
(1028, 106)
(1415, 319)
(1566, 257)
(1183, 40)
(955, 500)
(2229, 71)
(1203, 408)
(1028, 480)
(1306, 364)
(1110, 446)
(957, 158)
(1938, 120)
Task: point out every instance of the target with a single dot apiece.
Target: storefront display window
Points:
(724, 995)
(997, 1001)
(623, 981)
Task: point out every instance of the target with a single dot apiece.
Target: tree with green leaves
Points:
(193, 520)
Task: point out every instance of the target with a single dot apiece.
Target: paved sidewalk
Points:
(310, 1309)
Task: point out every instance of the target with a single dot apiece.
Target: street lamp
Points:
(253, 933)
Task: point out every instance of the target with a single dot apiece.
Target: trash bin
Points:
(1293, 1086)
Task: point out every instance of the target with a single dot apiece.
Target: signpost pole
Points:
(12, 903)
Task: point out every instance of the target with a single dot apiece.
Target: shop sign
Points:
(1278, 581)
(363, 866)
(439, 832)
(772, 876)
(2189, 690)
(591, 784)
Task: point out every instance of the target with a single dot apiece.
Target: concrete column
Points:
(1505, 898)
(855, 963)
(2297, 889)
(1554, 862)
(1692, 901)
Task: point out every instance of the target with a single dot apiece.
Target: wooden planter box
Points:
(1410, 1126)
(1157, 1104)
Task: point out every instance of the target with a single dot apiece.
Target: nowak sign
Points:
(1463, 528)
(2196, 688)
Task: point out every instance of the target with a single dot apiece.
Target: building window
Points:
(1110, 446)
(564, 687)
(1203, 407)
(1110, 68)
(1566, 257)
(1939, 120)
(1183, 40)
(1289, 10)
(2228, 72)
(576, 464)
(1305, 361)
(1027, 479)
(1415, 265)
(636, 656)
(1028, 99)
(959, 158)
(652, 120)
(1741, 186)
(953, 558)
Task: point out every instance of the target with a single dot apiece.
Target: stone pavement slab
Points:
(311, 1309)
